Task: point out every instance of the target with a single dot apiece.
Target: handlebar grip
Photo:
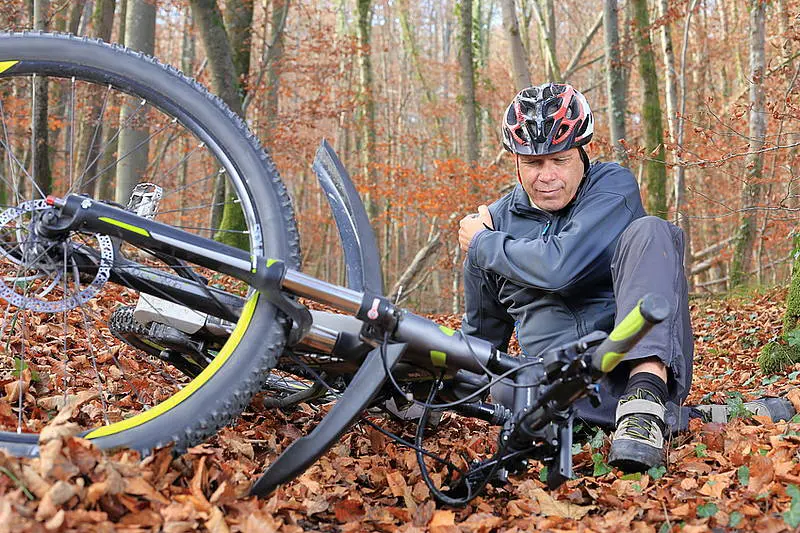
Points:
(650, 310)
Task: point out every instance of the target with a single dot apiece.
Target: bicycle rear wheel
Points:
(112, 116)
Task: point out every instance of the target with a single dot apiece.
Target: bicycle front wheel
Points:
(82, 116)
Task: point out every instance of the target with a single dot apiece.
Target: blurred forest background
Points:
(698, 97)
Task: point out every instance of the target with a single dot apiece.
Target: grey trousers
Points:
(648, 259)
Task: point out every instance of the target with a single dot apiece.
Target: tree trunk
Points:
(751, 190)
(132, 146)
(225, 83)
(519, 59)
(74, 17)
(671, 87)
(238, 18)
(546, 20)
(123, 15)
(224, 74)
(671, 96)
(655, 171)
(280, 13)
(615, 80)
(465, 61)
(90, 129)
(187, 66)
(40, 153)
(366, 100)
(791, 319)
(681, 215)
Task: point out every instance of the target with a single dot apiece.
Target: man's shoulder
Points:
(504, 202)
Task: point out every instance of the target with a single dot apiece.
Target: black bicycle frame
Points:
(545, 388)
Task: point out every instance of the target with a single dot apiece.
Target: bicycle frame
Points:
(542, 415)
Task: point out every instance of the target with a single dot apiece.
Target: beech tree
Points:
(133, 146)
(751, 189)
(655, 173)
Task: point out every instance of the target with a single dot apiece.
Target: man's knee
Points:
(648, 231)
(648, 225)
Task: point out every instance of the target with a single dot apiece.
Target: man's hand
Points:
(472, 224)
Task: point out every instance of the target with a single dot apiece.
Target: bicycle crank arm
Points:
(359, 393)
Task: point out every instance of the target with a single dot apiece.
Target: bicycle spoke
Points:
(206, 206)
(100, 152)
(13, 186)
(97, 129)
(100, 390)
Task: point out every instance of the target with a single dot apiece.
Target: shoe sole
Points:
(631, 456)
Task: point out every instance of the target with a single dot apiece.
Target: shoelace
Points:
(638, 425)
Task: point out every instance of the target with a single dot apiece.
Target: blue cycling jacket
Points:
(549, 273)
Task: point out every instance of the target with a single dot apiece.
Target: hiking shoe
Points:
(775, 408)
(638, 442)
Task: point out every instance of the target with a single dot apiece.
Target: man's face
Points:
(551, 180)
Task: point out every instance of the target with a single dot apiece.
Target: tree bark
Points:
(545, 18)
(751, 190)
(366, 99)
(671, 83)
(40, 153)
(91, 128)
(224, 74)
(74, 17)
(519, 59)
(280, 13)
(655, 172)
(133, 147)
(187, 66)
(466, 64)
(615, 80)
(225, 83)
(679, 186)
(791, 318)
(238, 17)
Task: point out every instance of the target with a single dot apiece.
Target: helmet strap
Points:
(516, 163)
(584, 158)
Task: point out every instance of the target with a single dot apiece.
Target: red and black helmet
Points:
(547, 119)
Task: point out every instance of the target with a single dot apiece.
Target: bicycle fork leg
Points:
(304, 451)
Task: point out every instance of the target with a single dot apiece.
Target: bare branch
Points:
(571, 67)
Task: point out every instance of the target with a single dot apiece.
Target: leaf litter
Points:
(744, 475)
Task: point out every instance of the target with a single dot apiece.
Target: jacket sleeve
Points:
(484, 315)
(559, 261)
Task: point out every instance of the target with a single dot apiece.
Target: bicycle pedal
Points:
(144, 200)
(411, 412)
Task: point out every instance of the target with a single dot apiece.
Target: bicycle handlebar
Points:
(650, 310)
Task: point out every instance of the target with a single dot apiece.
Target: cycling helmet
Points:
(547, 119)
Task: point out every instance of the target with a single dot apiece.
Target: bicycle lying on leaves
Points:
(202, 267)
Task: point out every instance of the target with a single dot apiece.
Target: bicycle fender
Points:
(362, 259)
(303, 452)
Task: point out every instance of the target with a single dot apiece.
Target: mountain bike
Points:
(158, 311)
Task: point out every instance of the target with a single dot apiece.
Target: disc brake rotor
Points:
(33, 259)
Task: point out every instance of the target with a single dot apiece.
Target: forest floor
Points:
(744, 475)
